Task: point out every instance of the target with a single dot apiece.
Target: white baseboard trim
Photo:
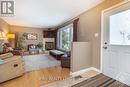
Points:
(95, 69)
(84, 70)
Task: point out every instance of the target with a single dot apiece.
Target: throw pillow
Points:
(10, 48)
(1, 61)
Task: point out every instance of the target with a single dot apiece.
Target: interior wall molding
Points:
(67, 23)
(84, 70)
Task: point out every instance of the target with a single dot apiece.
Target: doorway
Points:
(115, 43)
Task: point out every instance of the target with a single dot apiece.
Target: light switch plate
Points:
(96, 35)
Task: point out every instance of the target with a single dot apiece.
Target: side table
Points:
(65, 61)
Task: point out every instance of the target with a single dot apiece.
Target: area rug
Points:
(41, 61)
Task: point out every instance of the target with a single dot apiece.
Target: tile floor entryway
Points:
(73, 80)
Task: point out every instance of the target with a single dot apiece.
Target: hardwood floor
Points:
(38, 78)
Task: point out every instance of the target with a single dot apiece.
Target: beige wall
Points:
(89, 24)
(80, 60)
(4, 26)
(20, 30)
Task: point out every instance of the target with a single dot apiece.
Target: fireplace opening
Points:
(49, 45)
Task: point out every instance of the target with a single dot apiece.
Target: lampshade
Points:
(11, 36)
(2, 36)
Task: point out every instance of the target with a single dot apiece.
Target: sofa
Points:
(12, 67)
(15, 51)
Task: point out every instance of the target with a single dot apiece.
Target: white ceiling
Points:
(47, 13)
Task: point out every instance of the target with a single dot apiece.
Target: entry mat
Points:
(100, 81)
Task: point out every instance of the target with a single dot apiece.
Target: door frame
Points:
(102, 25)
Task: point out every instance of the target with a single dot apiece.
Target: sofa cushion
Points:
(14, 58)
(10, 48)
(6, 55)
(1, 61)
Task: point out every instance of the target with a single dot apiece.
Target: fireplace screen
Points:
(49, 45)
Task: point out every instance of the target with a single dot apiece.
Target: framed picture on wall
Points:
(32, 36)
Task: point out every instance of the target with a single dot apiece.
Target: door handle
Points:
(105, 43)
(105, 47)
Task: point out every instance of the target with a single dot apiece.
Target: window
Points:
(120, 28)
(65, 37)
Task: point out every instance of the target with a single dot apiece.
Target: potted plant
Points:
(1, 47)
(40, 47)
(21, 40)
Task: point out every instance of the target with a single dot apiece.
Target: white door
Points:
(116, 43)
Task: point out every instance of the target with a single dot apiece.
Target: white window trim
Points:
(58, 35)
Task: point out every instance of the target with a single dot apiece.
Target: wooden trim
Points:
(67, 23)
(16, 39)
(75, 29)
(56, 38)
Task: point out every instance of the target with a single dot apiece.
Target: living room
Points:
(27, 43)
(59, 44)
